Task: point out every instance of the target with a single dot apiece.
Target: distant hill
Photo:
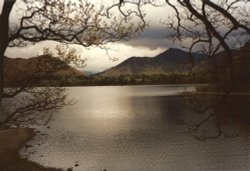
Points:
(18, 69)
(171, 61)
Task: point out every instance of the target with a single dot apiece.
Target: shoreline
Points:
(118, 85)
(11, 142)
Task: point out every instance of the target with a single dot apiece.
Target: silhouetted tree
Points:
(79, 22)
(214, 28)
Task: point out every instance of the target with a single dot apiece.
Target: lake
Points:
(132, 128)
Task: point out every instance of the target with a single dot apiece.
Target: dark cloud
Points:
(157, 37)
(152, 38)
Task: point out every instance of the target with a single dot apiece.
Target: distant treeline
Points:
(123, 80)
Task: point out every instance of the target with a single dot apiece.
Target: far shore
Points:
(218, 93)
(11, 142)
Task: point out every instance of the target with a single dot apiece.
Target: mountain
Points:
(171, 61)
(18, 69)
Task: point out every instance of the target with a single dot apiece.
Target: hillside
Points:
(36, 69)
(171, 61)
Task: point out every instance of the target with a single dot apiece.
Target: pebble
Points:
(28, 146)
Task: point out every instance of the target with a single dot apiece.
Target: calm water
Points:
(131, 128)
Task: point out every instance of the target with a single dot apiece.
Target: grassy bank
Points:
(11, 141)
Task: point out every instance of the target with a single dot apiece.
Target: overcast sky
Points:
(150, 43)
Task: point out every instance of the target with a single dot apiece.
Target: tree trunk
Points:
(3, 46)
(4, 31)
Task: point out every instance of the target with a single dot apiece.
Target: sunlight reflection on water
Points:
(131, 128)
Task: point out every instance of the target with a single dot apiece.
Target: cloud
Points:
(157, 37)
(152, 38)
